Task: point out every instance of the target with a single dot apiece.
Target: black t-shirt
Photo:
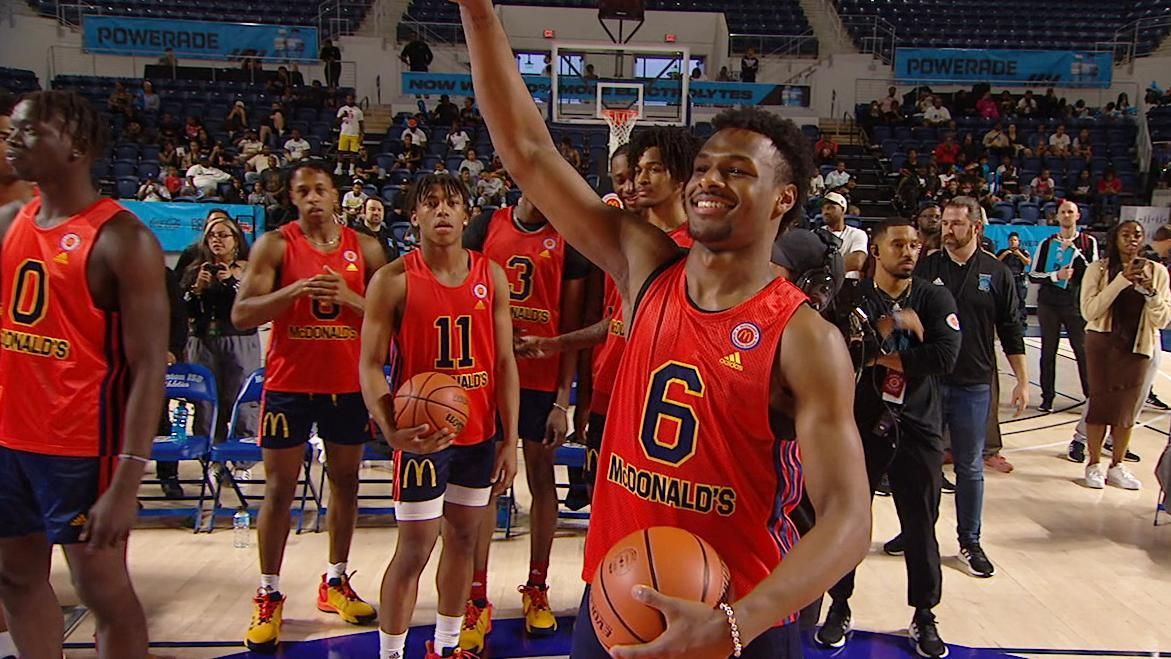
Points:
(383, 236)
(331, 54)
(1014, 262)
(576, 265)
(418, 55)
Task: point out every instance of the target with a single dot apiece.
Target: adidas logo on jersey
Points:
(62, 258)
(732, 361)
(78, 521)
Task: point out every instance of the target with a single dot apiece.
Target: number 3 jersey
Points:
(688, 441)
(315, 345)
(63, 373)
(452, 330)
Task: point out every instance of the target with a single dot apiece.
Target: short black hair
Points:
(81, 120)
(677, 149)
(451, 185)
(797, 166)
(622, 150)
(7, 102)
(317, 167)
(1013, 234)
(888, 224)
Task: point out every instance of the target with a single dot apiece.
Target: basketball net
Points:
(621, 122)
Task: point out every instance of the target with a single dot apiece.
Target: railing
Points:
(875, 35)
(343, 17)
(831, 12)
(434, 34)
(69, 14)
(1131, 35)
(774, 45)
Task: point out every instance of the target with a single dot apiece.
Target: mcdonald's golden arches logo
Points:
(276, 424)
(418, 467)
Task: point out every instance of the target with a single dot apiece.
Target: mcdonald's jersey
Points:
(688, 441)
(536, 263)
(451, 329)
(63, 373)
(315, 345)
(609, 356)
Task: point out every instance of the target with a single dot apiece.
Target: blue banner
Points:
(1031, 236)
(702, 92)
(1052, 67)
(177, 225)
(197, 39)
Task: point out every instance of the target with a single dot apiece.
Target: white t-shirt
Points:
(836, 179)
(475, 167)
(937, 115)
(1059, 141)
(853, 240)
(417, 136)
(297, 149)
(353, 203)
(352, 118)
(458, 141)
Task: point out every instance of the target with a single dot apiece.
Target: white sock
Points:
(447, 631)
(391, 646)
(270, 583)
(7, 645)
(335, 571)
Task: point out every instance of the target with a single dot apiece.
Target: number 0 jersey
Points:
(315, 345)
(452, 330)
(63, 373)
(688, 441)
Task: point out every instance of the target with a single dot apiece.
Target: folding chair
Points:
(247, 449)
(186, 383)
(571, 456)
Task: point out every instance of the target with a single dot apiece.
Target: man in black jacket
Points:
(913, 338)
(987, 301)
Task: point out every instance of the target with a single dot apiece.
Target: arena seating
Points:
(18, 81)
(290, 12)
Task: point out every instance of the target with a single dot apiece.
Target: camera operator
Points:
(912, 338)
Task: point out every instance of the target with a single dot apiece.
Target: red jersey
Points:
(63, 373)
(609, 356)
(688, 441)
(534, 262)
(315, 345)
(451, 329)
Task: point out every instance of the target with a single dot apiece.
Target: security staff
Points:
(913, 338)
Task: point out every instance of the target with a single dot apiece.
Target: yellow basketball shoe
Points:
(341, 599)
(477, 624)
(539, 619)
(265, 631)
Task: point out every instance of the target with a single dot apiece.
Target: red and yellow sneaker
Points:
(477, 624)
(264, 633)
(341, 599)
(431, 654)
(539, 618)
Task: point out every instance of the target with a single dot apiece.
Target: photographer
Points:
(912, 337)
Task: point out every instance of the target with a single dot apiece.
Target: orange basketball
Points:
(674, 562)
(434, 399)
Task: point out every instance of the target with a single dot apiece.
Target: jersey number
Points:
(326, 310)
(522, 266)
(447, 338)
(670, 427)
(30, 293)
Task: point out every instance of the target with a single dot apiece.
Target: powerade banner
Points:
(196, 39)
(1055, 67)
(177, 225)
(702, 92)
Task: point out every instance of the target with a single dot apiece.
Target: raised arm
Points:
(617, 241)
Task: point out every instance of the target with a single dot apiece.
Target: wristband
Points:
(561, 407)
(133, 458)
(737, 646)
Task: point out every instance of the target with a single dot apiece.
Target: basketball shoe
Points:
(432, 654)
(337, 596)
(265, 631)
(539, 618)
(477, 624)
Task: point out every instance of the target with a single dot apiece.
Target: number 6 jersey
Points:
(688, 442)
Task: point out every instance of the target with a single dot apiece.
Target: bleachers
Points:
(1005, 23)
(290, 12)
(18, 81)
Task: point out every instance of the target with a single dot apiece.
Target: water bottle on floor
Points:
(241, 529)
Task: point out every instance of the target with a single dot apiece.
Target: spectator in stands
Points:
(1006, 105)
(296, 147)
(204, 139)
(1043, 186)
(236, 122)
(839, 179)
(458, 139)
(948, 190)
(136, 134)
(723, 76)
(120, 101)
(331, 57)
(1123, 104)
(1027, 106)
(853, 240)
(441, 167)
(913, 160)
(1111, 112)
(470, 114)
(987, 107)
(189, 155)
(1082, 190)
(168, 58)
(146, 101)
(445, 112)
(235, 193)
(258, 197)
(172, 181)
(1109, 187)
(947, 151)
(168, 155)
(1037, 142)
(273, 126)
(411, 156)
(826, 149)
(465, 177)
(1014, 141)
(417, 55)
(251, 66)
(473, 164)
(1059, 142)
(351, 128)
(248, 146)
(366, 168)
(971, 150)
(908, 192)
(1050, 105)
(891, 106)
(591, 76)
(191, 128)
(928, 221)
(1082, 148)
(258, 163)
(936, 114)
(749, 66)
(1017, 260)
(371, 221)
(153, 190)
(996, 141)
(206, 178)
(169, 127)
(490, 189)
(697, 73)
(353, 201)
(417, 135)
(816, 188)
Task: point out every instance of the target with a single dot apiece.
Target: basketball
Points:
(675, 562)
(433, 399)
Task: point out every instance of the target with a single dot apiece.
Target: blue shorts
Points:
(777, 643)
(49, 494)
(458, 474)
(535, 407)
(593, 444)
(287, 419)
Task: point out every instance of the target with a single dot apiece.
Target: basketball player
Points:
(546, 288)
(438, 286)
(309, 279)
(708, 395)
(83, 291)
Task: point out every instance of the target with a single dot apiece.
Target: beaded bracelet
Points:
(737, 646)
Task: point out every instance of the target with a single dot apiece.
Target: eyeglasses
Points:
(221, 235)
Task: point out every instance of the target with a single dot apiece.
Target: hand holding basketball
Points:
(694, 630)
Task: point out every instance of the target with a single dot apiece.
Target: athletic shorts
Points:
(49, 494)
(777, 643)
(593, 444)
(287, 419)
(535, 407)
(349, 143)
(458, 474)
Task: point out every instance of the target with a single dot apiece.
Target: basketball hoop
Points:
(621, 122)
